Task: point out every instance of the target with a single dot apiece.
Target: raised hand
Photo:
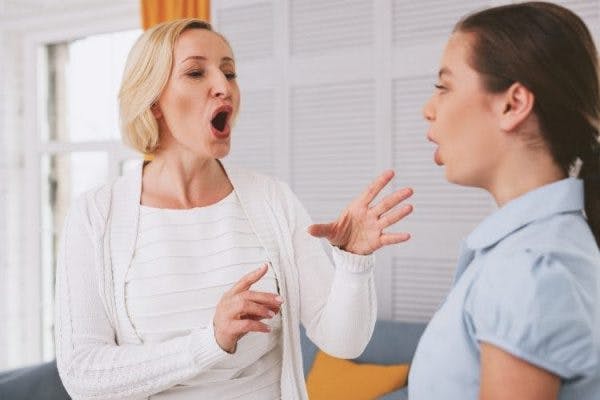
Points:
(360, 227)
(240, 310)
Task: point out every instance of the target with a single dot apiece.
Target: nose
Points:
(220, 86)
(429, 110)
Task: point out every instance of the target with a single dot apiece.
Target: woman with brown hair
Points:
(516, 112)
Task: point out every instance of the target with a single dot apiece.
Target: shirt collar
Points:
(562, 196)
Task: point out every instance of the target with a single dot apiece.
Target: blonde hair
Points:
(146, 74)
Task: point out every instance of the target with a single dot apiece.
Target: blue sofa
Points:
(392, 343)
(36, 382)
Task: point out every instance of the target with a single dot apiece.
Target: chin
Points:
(453, 177)
(462, 180)
(221, 152)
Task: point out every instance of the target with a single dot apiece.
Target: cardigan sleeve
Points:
(338, 305)
(90, 363)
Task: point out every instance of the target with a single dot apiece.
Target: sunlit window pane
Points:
(64, 178)
(84, 79)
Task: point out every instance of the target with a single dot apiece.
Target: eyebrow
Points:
(202, 58)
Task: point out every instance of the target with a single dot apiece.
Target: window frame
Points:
(35, 344)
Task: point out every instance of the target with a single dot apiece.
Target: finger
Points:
(249, 279)
(393, 238)
(248, 325)
(391, 201)
(247, 308)
(394, 216)
(267, 299)
(320, 230)
(257, 318)
(375, 187)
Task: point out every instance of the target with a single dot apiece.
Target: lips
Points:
(436, 156)
(220, 121)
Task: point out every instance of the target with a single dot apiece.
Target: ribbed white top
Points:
(183, 263)
(99, 353)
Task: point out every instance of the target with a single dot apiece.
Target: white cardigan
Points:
(99, 355)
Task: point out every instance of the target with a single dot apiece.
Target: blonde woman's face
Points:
(196, 110)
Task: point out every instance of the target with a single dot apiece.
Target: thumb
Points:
(321, 230)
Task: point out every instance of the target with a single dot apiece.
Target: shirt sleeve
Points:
(532, 306)
(338, 305)
(90, 362)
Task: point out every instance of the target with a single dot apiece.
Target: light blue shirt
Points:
(528, 282)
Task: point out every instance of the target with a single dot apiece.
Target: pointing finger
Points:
(249, 279)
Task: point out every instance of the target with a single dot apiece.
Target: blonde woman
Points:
(189, 278)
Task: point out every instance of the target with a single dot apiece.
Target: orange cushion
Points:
(332, 378)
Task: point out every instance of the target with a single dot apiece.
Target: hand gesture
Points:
(360, 227)
(240, 310)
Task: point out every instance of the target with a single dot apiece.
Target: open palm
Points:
(360, 229)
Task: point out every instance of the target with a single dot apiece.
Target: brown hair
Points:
(549, 50)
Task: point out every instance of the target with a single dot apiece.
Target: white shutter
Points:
(416, 22)
(332, 142)
(318, 26)
(252, 136)
(347, 98)
(249, 29)
(420, 283)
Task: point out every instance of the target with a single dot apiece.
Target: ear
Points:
(517, 105)
(156, 111)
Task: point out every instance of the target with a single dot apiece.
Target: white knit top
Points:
(184, 261)
(99, 354)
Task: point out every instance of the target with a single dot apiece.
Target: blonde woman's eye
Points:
(196, 74)
(230, 76)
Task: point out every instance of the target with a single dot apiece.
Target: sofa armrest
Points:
(40, 382)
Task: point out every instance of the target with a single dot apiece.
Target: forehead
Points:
(455, 58)
(201, 42)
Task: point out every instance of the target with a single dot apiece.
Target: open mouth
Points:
(220, 118)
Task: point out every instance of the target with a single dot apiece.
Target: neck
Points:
(179, 179)
(522, 172)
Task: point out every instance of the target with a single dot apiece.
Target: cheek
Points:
(235, 94)
(186, 99)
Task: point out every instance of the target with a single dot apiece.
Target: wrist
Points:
(224, 344)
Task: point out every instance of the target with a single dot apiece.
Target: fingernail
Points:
(271, 314)
(279, 299)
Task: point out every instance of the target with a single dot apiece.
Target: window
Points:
(79, 139)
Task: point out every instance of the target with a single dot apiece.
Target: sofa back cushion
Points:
(393, 342)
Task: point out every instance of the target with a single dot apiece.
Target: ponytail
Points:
(590, 173)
